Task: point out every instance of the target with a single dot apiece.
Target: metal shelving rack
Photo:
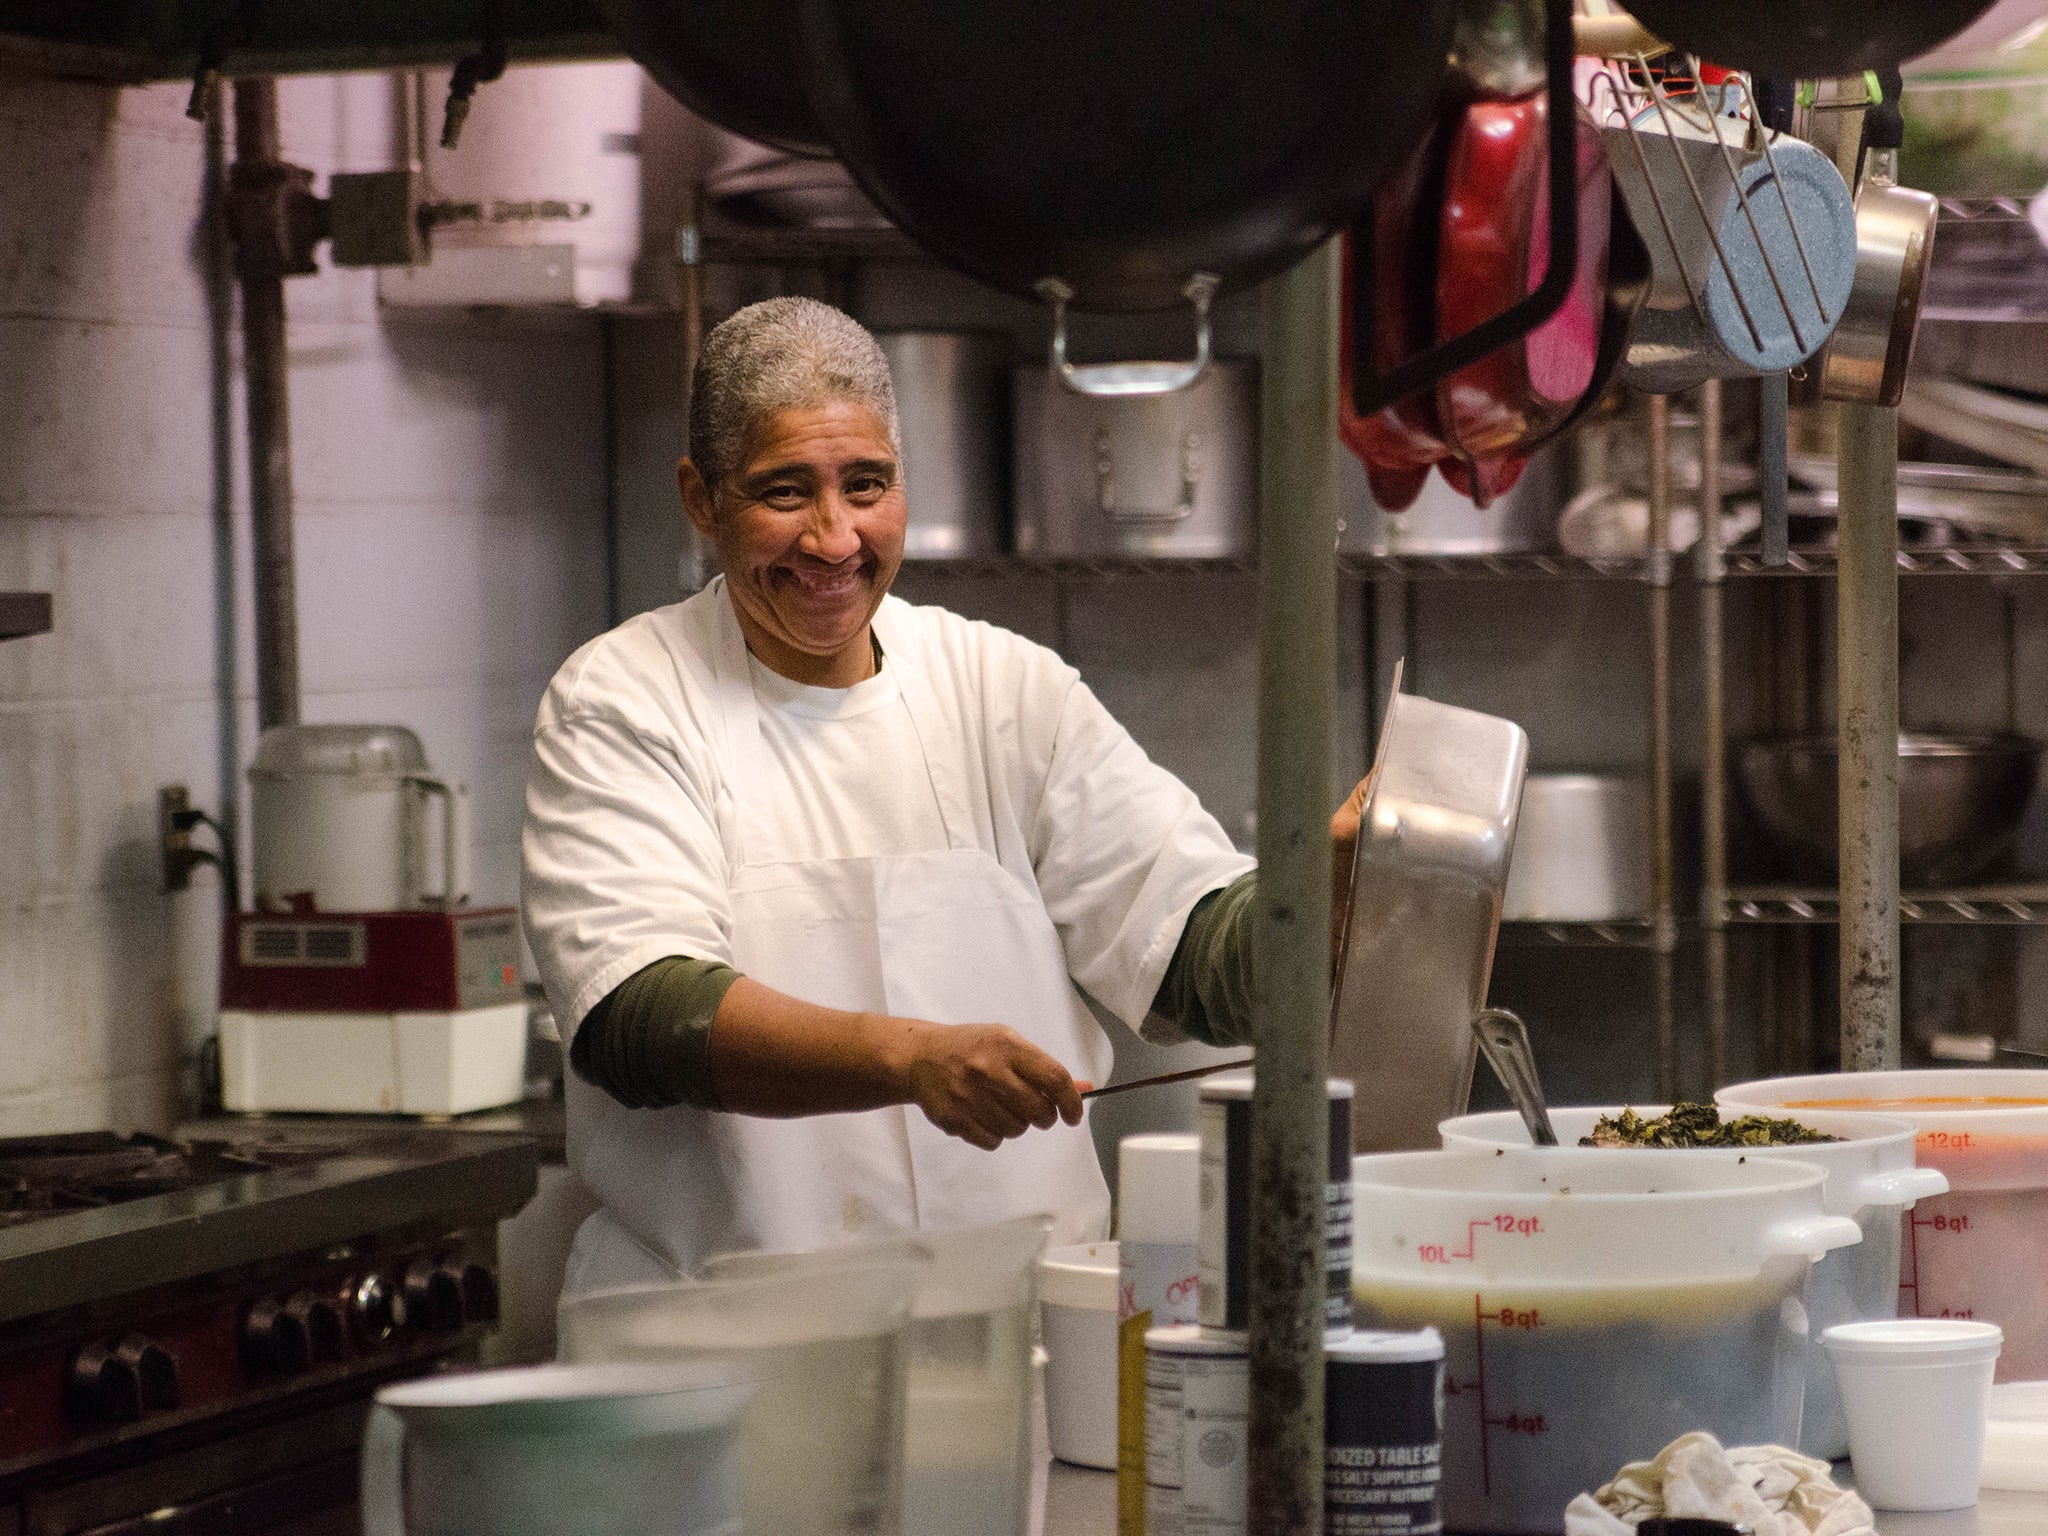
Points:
(700, 244)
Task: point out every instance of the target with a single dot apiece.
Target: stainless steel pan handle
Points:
(1124, 380)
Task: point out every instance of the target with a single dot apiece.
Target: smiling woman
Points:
(808, 526)
(824, 885)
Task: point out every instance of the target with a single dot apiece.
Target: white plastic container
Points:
(1916, 1391)
(1871, 1178)
(1977, 1252)
(821, 1439)
(373, 1063)
(636, 1450)
(2016, 1437)
(1077, 1307)
(966, 1430)
(1595, 1304)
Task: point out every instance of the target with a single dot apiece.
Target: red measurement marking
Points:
(1479, 1349)
(1913, 1224)
(1947, 1141)
(1505, 1224)
(1524, 1319)
(1957, 1312)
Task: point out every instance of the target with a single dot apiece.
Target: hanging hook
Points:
(473, 70)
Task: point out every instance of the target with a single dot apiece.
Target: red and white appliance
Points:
(363, 983)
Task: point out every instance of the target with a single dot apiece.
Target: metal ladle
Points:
(1504, 1041)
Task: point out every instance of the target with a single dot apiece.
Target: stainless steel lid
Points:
(353, 751)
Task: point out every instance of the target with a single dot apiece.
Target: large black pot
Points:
(737, 62)
(1799, 39)
(1123, 146)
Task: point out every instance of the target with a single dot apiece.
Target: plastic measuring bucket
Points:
(1872, 1179)
(821, 1439)
(967, 1436)
(1978, 1251)
(1595, 1304)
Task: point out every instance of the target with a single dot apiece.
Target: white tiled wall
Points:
(451, 518)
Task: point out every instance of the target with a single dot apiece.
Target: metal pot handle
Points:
(1126, 380)
(1179, 512)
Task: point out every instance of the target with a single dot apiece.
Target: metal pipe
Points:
(1290, 1109)
(1867, 693)
(1712, 567)
(1663, 923)
(265, 375)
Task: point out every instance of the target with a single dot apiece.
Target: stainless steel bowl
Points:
(1960, 801)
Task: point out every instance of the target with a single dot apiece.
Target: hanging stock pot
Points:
(1802, 39)
(1158, 475)
(740, 66)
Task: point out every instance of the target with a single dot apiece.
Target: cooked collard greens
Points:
(1698, 1125)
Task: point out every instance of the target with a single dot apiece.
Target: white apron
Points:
(949, 936)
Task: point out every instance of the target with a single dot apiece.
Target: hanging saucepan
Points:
(738, 64)
(1795, 39)
(1491, 250)
(1867, 357)
(1457, 237)
(1123, 155)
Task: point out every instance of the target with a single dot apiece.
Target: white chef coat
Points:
(675, 808)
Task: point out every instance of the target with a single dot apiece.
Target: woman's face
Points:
(809, 533)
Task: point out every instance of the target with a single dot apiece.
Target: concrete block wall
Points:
(451, 532)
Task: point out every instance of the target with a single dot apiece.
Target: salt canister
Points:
(1383, 1411)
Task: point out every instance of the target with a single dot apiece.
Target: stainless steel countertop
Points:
(1082, 1502)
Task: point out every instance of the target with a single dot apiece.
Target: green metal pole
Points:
(1867, 691)
(1290, 1110)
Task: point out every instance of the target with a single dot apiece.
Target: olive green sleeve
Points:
(1207, 992)
(648, 1042)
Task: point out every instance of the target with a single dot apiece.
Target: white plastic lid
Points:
(1238, 1085)
(1366, 1346)
(1159, 1188)
(1079, 1275)
(1193, 1339)
(1929, 1340)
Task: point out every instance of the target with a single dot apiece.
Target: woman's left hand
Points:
(1343, 853)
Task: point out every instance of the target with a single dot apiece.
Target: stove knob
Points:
(320, 1319)
(375, 1311)
(274, 1342)
(479, 1292)
(433, 1297)
(156, 1371)
(101, 1387)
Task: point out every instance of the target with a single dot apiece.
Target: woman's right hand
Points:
(985, 1083)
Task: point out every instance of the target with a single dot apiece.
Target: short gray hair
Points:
(781, 354)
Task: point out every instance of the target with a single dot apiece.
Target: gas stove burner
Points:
(44, 1176)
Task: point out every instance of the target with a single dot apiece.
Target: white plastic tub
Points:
(1077, 1304)
(1979, 1251)
(1871, 1178)
(1595, 1304)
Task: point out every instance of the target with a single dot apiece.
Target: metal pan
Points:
(1434, 844)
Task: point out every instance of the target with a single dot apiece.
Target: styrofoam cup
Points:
(1915, 1390)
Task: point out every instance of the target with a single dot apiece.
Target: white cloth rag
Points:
(1773, 1491)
